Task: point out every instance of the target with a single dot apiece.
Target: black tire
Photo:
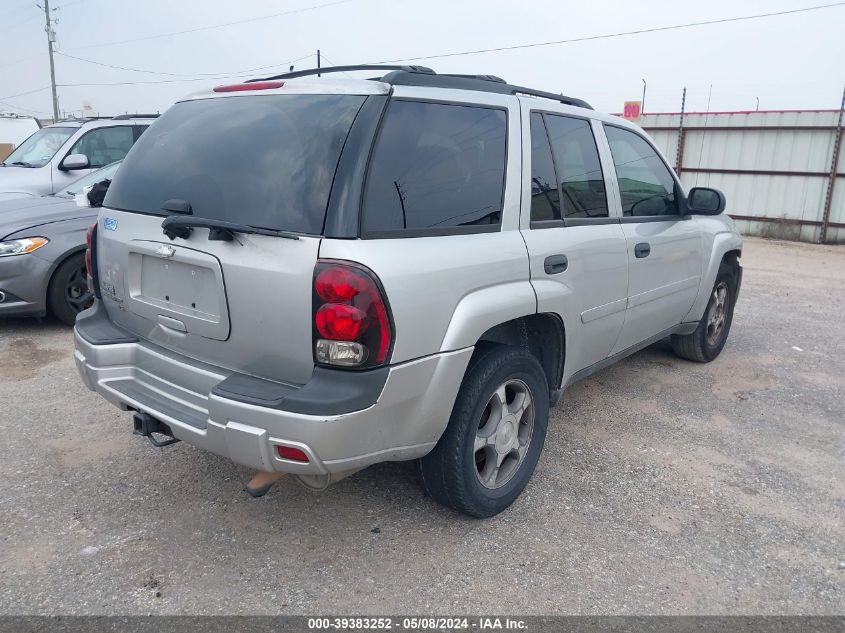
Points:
(450, 473)
(703, 345)
(67, 294)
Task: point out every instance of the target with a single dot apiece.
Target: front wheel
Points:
(708, 339)
(489, 450)
(68, 294)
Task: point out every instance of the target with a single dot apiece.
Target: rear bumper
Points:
(341, 424)
(22, 283)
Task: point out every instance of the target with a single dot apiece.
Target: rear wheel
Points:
(708, 339)
(489, 450)
(68, 293)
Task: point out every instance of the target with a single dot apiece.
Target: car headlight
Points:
(21, 246)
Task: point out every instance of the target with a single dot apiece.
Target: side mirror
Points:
(705, 201)
(73, 162)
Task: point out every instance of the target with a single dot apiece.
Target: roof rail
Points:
(573, 101)
(423, 76)
(123, 117)
(482, 83)
(342, 69)
(479, 77)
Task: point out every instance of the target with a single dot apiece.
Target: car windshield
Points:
(105, 173)
(38, 149)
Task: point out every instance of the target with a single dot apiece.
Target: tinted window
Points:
(265, 161)
(106, 173)
(436, 166)
(578, 167)
(38, 149)
(544, 191)
(645, 183)
(104, 145)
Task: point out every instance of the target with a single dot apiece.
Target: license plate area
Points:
(184, 288)
(180, 284)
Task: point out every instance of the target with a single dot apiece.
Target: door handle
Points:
(555, 264)
(643, 249)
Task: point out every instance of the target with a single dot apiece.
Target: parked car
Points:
(407, 268)
(42, 251)
(57, 155)
(15, 128)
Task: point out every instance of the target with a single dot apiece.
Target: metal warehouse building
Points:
(781, 171)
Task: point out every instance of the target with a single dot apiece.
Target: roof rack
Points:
(123, 117)
(483, 83)
(342, 69)
(423, 76)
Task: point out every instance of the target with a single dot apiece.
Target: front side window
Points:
(436, 166)
(106, 173)
(645, 183)
(38, 149)
(544, 192)
(105, 145)
(578, 167)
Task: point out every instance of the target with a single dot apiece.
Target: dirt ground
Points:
(666, 487)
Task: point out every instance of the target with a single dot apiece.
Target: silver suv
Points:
(311, 275)
(58, 155)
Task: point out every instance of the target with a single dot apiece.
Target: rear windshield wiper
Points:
(181, 226)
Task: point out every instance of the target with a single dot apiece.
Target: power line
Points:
(24, 21)
(611, 35)
(213, 26)
(161, 81)
(14, 107)
(18, 61)
(191, 75)
(28, 92)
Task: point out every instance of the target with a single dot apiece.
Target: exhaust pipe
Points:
(321, 482)
(2, 296)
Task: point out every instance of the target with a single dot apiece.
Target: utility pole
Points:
(51, 38)
(318, 61)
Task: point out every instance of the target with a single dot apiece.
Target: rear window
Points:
(266, 161)
(436, 167)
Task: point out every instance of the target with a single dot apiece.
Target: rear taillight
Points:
(89, 257)
(91, 260)
(351, 318)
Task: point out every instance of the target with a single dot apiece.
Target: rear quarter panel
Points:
(446, 291)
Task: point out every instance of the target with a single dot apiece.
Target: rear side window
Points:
(266, 161)
(578, 167)
(436, 166)
(645, 183)
(544, 192)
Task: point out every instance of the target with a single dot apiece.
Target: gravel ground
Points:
(666, 487)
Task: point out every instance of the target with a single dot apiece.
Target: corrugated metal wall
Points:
(774, 167)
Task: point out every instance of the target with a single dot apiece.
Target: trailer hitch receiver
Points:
(146, 425)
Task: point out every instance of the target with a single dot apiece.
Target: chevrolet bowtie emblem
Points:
(166, 251)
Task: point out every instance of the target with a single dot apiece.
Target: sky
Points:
(788, 62)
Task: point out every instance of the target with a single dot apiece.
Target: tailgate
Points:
(243, 305)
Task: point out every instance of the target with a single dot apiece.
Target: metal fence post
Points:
(834, 164)
(679, 156)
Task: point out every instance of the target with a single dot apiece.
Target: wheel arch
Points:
(543, 335)
(727, 246)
